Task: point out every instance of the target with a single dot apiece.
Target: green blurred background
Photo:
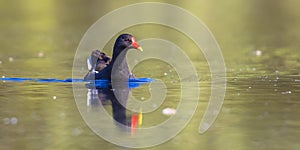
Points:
(261, 108)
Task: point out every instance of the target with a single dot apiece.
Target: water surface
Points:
(259, 41)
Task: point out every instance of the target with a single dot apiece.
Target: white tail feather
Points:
(89, 63)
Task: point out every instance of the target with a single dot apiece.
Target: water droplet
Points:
(258, 52)
(169, 111)
(14, 120)
(40, 54)
(286, 92)
(10, 59)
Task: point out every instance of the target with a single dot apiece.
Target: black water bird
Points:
(104, 67)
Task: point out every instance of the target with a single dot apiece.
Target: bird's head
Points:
(126, 41)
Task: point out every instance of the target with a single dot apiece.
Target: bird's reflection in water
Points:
(105, 95)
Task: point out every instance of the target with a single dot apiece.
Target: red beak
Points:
(136, 45)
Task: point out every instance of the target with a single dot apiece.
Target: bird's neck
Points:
(120, 70)
(119, 55)
(119, 60)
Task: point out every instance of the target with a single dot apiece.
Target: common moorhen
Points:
(102, 65)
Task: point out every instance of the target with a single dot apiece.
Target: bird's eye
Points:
(128, 40)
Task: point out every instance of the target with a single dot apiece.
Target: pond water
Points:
(259, 42)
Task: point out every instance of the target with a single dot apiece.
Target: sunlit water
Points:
(261, 106)
(260, 110)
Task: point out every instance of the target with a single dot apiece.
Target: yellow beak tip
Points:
(140, 49)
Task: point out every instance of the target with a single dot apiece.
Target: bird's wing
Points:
(97, 60)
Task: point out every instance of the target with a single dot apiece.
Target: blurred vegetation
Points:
(55, 28)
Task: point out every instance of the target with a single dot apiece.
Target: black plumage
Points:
(115, 68)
